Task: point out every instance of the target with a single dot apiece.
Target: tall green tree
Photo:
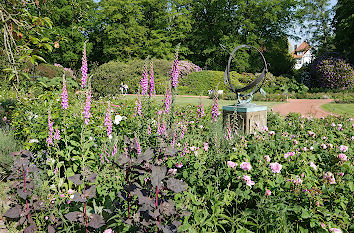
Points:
(317, 23)
(71, 21)
(344, 28)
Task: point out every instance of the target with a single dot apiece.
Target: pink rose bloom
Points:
(313, 166)
(248, 180)
(292, 153)
(268, 192)
(335, 230)
(246, 166)
(205, 146)
(172, 171)
(70, 191)
(276, 167)
(231, 164)
(343, 148)
(271, 133)
(342, 157)
(332, 180)
(179, 165)
(298, 181)
(324, 146)
(108, 231)
(311, 134)
(267, 158)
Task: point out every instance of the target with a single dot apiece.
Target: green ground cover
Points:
(339, 108)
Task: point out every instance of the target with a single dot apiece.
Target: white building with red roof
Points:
(302, 54)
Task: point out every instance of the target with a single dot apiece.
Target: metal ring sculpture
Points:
(255, 84)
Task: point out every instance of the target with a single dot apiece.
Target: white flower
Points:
(200, 126)
(117, 119)
(33, 141)
(110, 137)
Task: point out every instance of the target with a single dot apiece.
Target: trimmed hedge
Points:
(199, 83)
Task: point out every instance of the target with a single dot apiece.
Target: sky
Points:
(294, 42)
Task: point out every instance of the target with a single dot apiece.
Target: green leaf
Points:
(305, 214)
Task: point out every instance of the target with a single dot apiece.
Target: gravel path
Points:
(306, 107)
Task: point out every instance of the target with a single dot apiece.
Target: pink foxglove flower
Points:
(276, 167)
(138, 148)
(168, 99)
(50, 127)
(114, 152)
(271, 133)
(151, 81)
(231, 164)
(161, 126)
(265, 128)
(343, 148)
(268, 192)
(200, 110)
(57, 134)
(138, 107)
(84, 68)
(144, 82)
(215, 109)
(175, 71)
(64, 96)
(312, 134)
(108, 122)
(87, 107)
(179, 165)
(289, 154)
(246, 166)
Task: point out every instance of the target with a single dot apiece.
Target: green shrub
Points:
(108, 77)
(7, 145)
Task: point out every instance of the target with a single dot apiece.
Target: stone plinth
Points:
(249, 117)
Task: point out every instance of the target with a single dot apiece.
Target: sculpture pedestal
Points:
(249, 117)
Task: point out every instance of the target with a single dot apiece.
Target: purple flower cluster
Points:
(64, 96)
(333, 71)
(87, 107)
(144, 82)
(84, 68)
(138, 148)
(186, 67)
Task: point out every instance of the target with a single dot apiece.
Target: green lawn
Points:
(339, 108)
(206, 101)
